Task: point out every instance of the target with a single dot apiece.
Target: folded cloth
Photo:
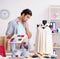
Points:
(2, 51)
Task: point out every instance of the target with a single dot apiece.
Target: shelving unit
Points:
(54, 16)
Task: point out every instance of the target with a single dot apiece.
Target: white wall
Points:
(39, 9)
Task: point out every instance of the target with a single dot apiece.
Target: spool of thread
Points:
(58, 30)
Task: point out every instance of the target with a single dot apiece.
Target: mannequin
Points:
(44, 42)
(44, 22)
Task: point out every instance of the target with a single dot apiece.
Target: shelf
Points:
(56, 47)
(56, 33)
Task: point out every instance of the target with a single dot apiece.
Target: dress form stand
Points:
(44, 42)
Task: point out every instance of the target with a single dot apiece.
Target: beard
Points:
(23, 20)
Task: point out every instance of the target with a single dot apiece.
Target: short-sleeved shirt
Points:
(14, 27)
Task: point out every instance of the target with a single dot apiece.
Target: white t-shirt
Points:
(21, 29)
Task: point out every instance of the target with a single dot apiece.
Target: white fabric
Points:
(44, 42)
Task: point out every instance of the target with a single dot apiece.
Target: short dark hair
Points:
(26, 11)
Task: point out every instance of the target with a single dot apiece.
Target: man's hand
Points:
(8, 37)
(27, 30)
(25, 24)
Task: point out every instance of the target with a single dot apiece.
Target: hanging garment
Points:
(44, 42)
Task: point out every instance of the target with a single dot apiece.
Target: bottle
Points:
(54, 52)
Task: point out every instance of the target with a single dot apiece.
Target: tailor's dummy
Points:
(44, 42)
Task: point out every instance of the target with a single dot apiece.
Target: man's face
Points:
(25, 17)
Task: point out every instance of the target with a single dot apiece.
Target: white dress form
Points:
(44, 42)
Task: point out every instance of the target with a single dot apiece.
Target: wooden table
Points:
(21, 58)
(16, 58)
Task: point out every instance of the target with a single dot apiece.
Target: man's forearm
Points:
(27, 30)
(28, 33)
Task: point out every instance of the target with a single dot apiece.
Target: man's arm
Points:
(27, 30)
(9, 31)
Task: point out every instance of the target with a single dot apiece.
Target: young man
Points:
(19, 26)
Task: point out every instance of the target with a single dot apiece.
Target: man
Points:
(19, 26)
